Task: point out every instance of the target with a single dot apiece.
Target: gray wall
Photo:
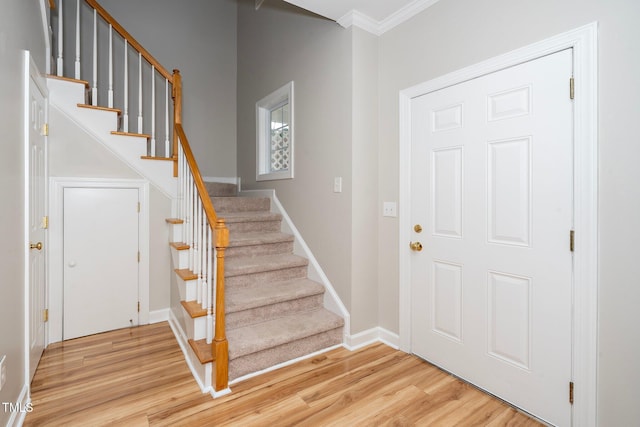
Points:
(457, 33)
(199, 38)
(277, 44)
(20, 28)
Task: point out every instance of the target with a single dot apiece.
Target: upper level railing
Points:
(205, 233)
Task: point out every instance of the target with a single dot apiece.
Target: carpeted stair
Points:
(274, 313)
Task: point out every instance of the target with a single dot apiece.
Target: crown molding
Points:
(360, 20)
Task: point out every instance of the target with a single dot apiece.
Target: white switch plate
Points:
(3, 372)
(389, 209)
(337, 184)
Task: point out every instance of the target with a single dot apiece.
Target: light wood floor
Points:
(138, 377)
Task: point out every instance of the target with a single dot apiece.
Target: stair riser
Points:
(263, 249)
(240, 204)
(196, 329)
(283, 353)
(267, 276)
(253, 226)
(187, 289)
(180, 258)
(273, 311)
(175, 232)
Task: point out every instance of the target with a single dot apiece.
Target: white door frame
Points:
(56, 261)
(583, 41)
(31, 71)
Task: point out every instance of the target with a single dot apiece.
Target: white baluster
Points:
(94, 90)
(60, 62)
(196, 247)
(203, 253)
(139, 93)
(125, 117)
(153, 110)
(110, 93)
(190, 218)
(167, 152)
(210, 283)
(77, 73)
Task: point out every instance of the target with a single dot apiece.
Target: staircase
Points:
(274, 312)
(245, 297)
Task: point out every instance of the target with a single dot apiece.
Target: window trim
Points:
(263, 133)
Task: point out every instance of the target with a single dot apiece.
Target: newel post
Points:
(176, 94)
(220, 343)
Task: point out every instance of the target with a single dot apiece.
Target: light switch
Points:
(389, 209)
(337, 184)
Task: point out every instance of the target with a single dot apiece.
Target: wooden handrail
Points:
(220, 345)
(212, 217)
(132, 41)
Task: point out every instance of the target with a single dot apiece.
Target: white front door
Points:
(492, 180)
(100, 260)
(37, 197)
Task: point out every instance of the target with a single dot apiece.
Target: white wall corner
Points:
(371, 336)
(361, 21)
(158, 316)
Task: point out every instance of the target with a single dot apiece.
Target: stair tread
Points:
(257, 238)
(262, 294)
(240, 265)
(254, 338)
(194, 309)
(244, 216)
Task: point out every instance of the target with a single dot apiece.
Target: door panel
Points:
(100, 260)
(492, 187)
(37, 227)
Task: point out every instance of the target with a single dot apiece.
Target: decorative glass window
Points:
(274, 139)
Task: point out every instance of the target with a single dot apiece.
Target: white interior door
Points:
(100, 260)
(492, 181)
(37, 196)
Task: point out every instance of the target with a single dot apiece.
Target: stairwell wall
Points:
(20, 28)
(335, 78)
(199, 38)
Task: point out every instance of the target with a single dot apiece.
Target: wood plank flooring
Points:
(138, 377)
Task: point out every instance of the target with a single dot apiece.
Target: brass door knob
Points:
(415, 246)
(37, 246)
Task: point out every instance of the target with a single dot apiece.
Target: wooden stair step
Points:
(180, 246)
(137, 135)
(96, 107)
(174, 221)
(194, 309)
(202, 350)
(69, 79)
(186, 274)
(164, 159)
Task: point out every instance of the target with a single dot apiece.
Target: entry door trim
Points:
(583, 41)
(56, 267)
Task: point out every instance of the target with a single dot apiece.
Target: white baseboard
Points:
(370, 336)
(184, 346)
(23, 406)
(158, 316)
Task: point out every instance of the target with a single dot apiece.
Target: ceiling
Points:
(375, 16)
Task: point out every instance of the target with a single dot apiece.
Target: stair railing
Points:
(160, 112)
(205, 233)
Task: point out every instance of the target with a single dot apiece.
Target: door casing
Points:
(583, 41)
(56, 265)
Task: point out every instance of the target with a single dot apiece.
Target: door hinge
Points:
(138, 306)
(138, 256)
(45, 129)
(45, 222)
(571, 392)
(572, 240)
(45, 315)
(138, 207)
(572, 88)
